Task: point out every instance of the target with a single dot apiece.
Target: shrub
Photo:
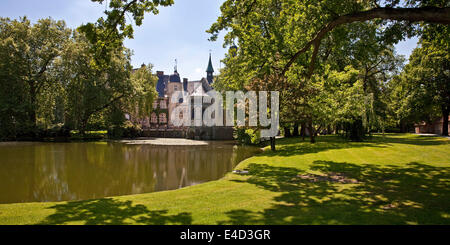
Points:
(248, 136)
(126, 131)
(88, 135)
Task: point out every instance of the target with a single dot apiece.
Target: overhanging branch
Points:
(426, 14)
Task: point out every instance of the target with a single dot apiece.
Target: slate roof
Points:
(210, 68)
(206, 85)
(201, 87)
(175, 78)
(161, 85)
(164, 80)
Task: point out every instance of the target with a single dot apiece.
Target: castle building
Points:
(158, 124)
(166, 87)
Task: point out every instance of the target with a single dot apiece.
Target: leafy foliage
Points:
(296, 46)
(49, 77)
(422, 91)
(28, 56)
(107, 34)
(89, 90)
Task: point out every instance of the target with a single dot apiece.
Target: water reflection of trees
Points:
(79, 171)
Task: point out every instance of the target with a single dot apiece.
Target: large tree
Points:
(293, 41)
(91, 91)
(108, 33)
(27, 57)
(423, 89)
(139, 104)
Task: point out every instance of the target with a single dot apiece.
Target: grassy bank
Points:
(397, 179)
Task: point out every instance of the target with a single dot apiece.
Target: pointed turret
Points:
(210, 66)
(175, 77)
(210, 71)
(176, 66)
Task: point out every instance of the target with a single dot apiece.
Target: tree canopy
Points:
(48, 76)
(293, 45)
(109, 32)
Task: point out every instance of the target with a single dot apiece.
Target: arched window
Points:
(181, 115)
(162, 118)
(154, 119)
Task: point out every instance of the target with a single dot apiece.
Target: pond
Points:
(48, 172)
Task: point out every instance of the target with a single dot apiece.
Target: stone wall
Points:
(164, 133)
(195, 133)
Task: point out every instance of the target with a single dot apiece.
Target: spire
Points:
(210, 68)
(176, 66)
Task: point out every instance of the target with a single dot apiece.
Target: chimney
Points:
(160, 73)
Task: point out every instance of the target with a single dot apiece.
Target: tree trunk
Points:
(33, 105)
(83, 126)
(312, 133)
(312, 138)
(445, 113)
(272, 144)
(287, 132)
(402, 126)
(295, 133)
(303, 131)
(357, 131)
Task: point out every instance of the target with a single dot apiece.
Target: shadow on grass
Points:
(414, 194)
(112, 212)
(296, 146)
(410, 139)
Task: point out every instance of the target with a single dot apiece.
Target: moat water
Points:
(47, 172)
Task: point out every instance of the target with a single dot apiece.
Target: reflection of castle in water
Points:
(80, 171)
(158, 124)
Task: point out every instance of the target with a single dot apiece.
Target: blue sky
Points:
(178, 32)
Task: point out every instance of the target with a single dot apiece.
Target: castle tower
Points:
(210, 71)
(175, 84)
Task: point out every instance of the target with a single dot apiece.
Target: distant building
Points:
(435, 127)
(159, 124)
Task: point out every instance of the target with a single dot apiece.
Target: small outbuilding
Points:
(434, 127)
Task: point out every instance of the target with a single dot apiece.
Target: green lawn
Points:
(397, 179)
